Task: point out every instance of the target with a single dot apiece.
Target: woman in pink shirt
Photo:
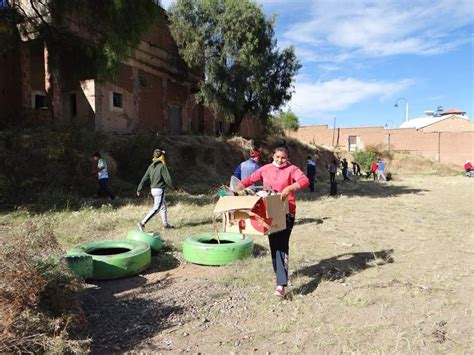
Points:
(283, 177)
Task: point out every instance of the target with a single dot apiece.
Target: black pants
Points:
(332, 177)
(279, 247)
(344, 174)
(104, 189)
(311, 182)
(370, 173)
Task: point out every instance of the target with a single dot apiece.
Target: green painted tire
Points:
(153, 240)
(114, 266)
(80, 265)
(235, 246)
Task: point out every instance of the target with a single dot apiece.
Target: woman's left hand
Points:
(285, 192)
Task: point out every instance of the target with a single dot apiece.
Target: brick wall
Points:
(155, 84)
(447, 147)
(451, 124)
(108, 117)
(25, 75)
(10, 79)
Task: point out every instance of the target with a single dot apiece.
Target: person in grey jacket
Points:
(158, 176)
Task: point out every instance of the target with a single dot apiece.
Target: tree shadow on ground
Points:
(196, 223)
(78, 202)
(360, 188)
(305, 220)
(339, 267)
(119, 322)
(259, 250)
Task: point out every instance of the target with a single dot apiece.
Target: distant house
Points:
(154, 90)
(451, 120)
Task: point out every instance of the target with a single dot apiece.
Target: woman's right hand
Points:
(138, 193)
(239, 187)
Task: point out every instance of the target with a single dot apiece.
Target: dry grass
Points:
(410, 164)
(384, 268)
(38, 309)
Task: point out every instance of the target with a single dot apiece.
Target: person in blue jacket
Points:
(246, 168)
(381, 169)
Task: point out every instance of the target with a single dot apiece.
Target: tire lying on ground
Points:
(80, 265)
(204, 249)
(153, 240)
(113, 259)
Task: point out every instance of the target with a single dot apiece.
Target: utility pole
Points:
(439, 146)
(333, 131)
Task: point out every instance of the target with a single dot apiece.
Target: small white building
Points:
(430, 117)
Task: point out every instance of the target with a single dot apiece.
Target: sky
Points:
(360, 57)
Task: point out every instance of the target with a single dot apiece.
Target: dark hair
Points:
(282, 147)
(96, 154)
(158, 153)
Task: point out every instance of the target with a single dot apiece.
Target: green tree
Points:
(366, 157)
(233, 44)
(288, 120)
(8, 32)
(88, 38)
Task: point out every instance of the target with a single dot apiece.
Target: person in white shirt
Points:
(103, 176)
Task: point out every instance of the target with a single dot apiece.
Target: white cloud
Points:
(312, 99)
(339, 30)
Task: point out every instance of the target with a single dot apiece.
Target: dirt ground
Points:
(385, 267)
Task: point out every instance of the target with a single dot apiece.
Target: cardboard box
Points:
(252, 215)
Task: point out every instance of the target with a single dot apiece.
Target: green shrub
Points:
(370, 154)
(366, 157)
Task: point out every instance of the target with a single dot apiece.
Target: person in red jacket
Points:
(373, 170)
(468, 168)
(282, 177)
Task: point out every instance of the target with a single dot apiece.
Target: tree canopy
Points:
(288, 120)
(88, 38)
(233, 44)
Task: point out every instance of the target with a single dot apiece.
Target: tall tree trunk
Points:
(234, 126)
(52, 85)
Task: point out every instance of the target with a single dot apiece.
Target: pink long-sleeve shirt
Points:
(279, 178)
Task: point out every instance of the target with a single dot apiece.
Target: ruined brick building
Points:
(154, 90)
